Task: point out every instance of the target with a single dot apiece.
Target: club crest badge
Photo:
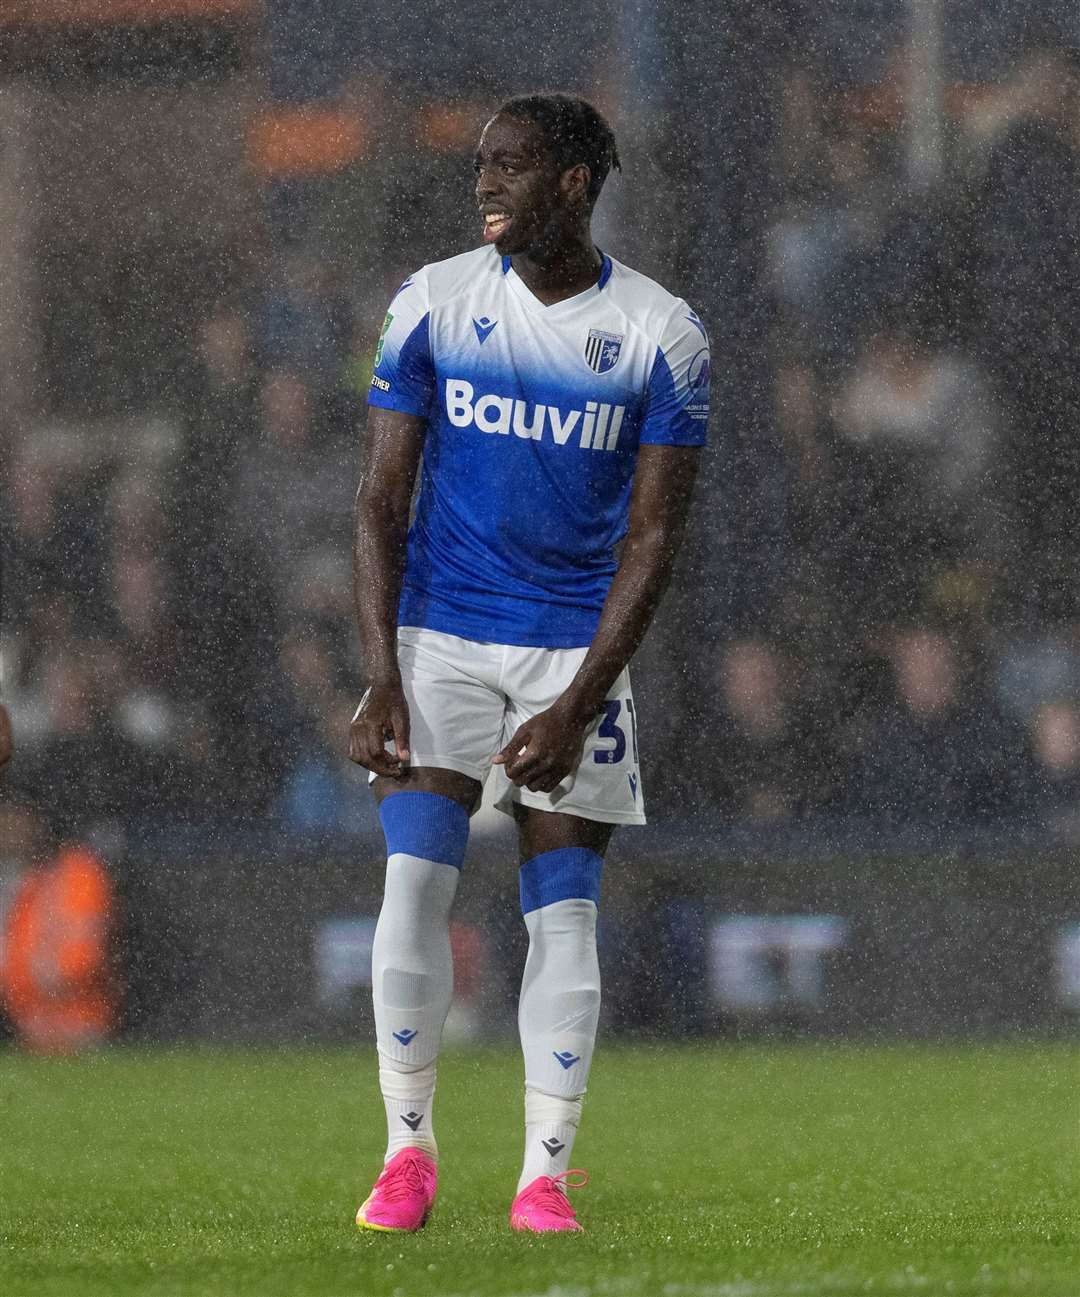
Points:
(602, 350)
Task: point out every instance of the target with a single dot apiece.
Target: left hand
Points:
(544, 750)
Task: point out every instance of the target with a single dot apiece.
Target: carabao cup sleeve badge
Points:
(382, 338)
(602, 350)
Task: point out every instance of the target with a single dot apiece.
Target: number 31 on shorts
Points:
(613, 727)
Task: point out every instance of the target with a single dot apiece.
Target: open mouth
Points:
(495, 226)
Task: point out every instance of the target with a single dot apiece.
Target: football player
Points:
(554, 403)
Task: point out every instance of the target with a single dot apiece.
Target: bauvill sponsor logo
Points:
(596, 427)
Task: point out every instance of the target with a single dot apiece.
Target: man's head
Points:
(540, 166)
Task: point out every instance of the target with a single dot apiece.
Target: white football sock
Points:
(557, 1018)
(408, 1094)
(412, 977)
(550, 1126)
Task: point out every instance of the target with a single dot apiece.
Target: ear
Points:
(574, 183)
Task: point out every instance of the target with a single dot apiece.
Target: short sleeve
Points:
(677, 400)
(403, 377)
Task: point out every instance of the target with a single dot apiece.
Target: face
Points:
(527, 205)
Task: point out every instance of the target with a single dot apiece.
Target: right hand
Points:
(383, 714)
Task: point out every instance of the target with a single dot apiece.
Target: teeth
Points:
(495, 218)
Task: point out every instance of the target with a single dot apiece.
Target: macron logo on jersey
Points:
(597, 426)
(483, 327)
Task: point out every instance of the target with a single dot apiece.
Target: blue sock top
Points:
(568, 873)
(427, 825)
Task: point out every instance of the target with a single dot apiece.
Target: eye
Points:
(508, 170)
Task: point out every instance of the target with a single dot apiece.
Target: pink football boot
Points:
(542, 1207)
(402, 1197)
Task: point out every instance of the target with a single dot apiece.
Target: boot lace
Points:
(551, 1193)
(406, 1178)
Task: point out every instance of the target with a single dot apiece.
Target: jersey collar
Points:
(529, 298)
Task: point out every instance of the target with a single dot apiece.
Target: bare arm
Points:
(545, 749)
(391, 455)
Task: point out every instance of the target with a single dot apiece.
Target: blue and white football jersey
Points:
(535, 414)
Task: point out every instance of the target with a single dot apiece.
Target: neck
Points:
(569, 269)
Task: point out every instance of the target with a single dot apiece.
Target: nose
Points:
(486, 184)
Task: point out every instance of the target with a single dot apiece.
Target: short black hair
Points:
(575, 133)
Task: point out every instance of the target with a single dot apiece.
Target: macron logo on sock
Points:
(412, 1119)
(406, 1035)
(567, 1060)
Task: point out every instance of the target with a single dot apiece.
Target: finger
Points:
(380, 763)
(513, 749)
(547, 784)
(388, 759)
(399, 720)
(524, 761)
(544, 778)
(355, 746)
(361, 739)
(528, 768)
(513, 753)
(367, 749)
(384, 762)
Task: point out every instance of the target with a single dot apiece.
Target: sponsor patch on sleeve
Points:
(697, 380)
(382, 338)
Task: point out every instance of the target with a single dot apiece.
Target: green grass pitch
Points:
(719, 1171)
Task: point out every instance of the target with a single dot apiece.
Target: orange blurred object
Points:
(449, 128)
(305, 141)
(469, 950)
(55, 979)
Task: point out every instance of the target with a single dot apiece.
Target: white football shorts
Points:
(467, 698)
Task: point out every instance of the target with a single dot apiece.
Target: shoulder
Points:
(440, 282)
(651, 308)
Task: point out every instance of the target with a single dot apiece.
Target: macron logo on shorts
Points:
(596, 427)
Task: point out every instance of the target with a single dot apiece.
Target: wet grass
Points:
(717, 1172)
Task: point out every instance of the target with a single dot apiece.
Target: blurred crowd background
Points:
(872, 203)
